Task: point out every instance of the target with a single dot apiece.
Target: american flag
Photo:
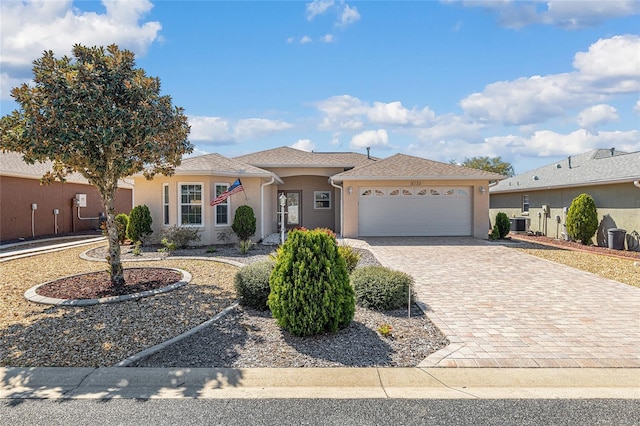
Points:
(236, 187)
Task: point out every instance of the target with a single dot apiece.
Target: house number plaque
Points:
(416, 183)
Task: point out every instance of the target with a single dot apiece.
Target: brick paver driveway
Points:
(503, 308)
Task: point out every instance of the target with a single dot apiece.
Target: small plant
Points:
(252, 284)
(169, 246)
(503, 224)
(245, 246)
(380, 288)
(495, 233)
(139, 223)
(310, 291)
(351, 257)
(180, 236)
(122, 221)
(244, 223)
(224, 236)
(582, 219)
(212, 249)
(385, 330)
(137, 248)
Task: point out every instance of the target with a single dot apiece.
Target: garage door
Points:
(410, 211)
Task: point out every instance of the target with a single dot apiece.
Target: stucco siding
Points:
(311, 217)
(618, 207)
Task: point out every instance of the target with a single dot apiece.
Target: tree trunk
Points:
(115, 264)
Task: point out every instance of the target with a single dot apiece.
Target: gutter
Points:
(341, 206)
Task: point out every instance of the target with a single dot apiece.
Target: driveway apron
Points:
(503, 308)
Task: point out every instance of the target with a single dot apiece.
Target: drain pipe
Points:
(341, 206)
(636, 183)
(273, 179)
(34, 207)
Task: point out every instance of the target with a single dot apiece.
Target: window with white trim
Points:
(525, 203)
(165, 203)
(222, 210)
(322, 200)
(190, 205)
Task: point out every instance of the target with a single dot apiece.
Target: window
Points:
(322, 200)
(222, 209)
(525, 203)
(190, 204)
(165, 203)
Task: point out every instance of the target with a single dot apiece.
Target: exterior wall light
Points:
(481, 189)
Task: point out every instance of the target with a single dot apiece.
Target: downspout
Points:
(273, 179)
(636, 183)
(341, 206)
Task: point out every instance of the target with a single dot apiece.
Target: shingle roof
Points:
(291, 157)
(402, 166)
(216, 164)
(595, 167)
(12, 164)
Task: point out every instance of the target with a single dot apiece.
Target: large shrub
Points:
(503, 223)
(244, 223)
(310, 290)
(252, 284)
(139, 223)
(380, 288)
(582, 219)
(122, 221)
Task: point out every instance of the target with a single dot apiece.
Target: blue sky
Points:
(530, 81)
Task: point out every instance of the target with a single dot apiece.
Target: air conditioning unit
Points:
(519, 224)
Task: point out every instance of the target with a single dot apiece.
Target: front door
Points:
(292, 209)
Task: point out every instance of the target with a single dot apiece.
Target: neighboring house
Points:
(538, 199)
(29, 209)
(353, 194)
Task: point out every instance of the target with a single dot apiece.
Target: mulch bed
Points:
(572, 245)
(96, 285)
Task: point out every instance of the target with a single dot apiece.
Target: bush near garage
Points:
(310, 290)
(122, 221)
(139, 223)
(582, 219)
(503, 224)
(381, 288)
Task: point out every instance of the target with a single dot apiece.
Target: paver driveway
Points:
(502, 308)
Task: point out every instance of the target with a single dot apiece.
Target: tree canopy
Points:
(96, 114)
(489, 164)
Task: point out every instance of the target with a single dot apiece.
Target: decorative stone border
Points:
(32, 296)
(85, 256)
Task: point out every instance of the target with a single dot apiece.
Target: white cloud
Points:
(304, 145)
(31, 27)
(561, 13)
(327, 38)
(251, 128)
(7, 83)
(371, 138)
(291, 40)
(305, 40)
(637, 107)
(349, 15)
(609, 67)
(348, 112)
(318, 7)
(597, 115)
(212, 130)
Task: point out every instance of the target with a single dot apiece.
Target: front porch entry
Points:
(292, 208)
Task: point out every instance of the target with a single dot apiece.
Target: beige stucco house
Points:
(355, 195)
(538, 199)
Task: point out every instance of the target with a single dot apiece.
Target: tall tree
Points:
(98, 115)
(489, 164)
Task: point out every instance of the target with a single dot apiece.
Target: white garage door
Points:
(414, 211)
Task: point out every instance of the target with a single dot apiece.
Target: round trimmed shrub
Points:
(582, 219)
(252, 284)
(380, 288)
(310, 290)
(244, 223)
(122, 221)
(139, 223)
(503, 224)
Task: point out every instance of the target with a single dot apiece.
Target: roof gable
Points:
(402, 166)
(595, 167)
(216, 164)
(290, 157)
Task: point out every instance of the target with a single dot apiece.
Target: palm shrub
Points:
(310, 290)
(252, 284)
(503, 223)
(582, 219)
(244, 223)
(122, 221)
(351, 257)
(139, 223)
(381, 288)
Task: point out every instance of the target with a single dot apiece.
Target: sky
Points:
(529, 81)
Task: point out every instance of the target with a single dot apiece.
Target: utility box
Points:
(81, 200)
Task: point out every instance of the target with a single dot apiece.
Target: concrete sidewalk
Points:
(337, 383)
